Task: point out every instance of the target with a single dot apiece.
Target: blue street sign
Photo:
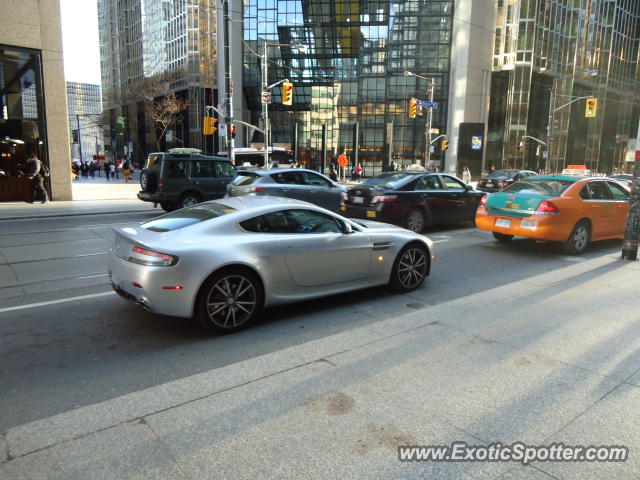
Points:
(424, 103)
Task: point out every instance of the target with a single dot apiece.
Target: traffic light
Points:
(233, 131)
(591, 108)
(445, 145)
(413, 108)
(209, 126)
(287, 93)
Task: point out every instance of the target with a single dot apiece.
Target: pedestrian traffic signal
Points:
(445, 145)
(209, 125)
(233, 131)
(413, 108)
(287, 93)
(591, 108)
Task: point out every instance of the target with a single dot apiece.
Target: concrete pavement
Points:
(553, 357)
(90, 196)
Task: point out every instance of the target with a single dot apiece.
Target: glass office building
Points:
(548, 53)
(350, 81)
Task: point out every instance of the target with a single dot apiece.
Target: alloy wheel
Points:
(190, 201)
(415, 221)
(231, 301)
(580, 238)
(412, 268)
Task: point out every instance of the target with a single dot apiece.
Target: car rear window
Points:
(153, 163)
(503, 173)
(188, 216)
(244, 178)
(388, 180)
(543, 186)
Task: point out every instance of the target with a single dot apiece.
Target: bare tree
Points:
(165, 113)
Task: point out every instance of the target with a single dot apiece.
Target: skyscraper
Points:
(549, 53)
(150, 48)
(85, 106)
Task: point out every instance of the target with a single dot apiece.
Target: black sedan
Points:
(412, 200)
(501, 179)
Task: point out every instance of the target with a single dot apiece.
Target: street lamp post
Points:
(427, 133)
(266, 88)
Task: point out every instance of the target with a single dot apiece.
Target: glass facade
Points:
(84, 102)
(352, 72)
(550, 52)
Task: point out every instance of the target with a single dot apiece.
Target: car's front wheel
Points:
(410, 268)
(229, 300)
(579, 239)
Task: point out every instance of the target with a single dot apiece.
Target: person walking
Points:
(332, 173)
(33, 170)
(112, 169)
(466, 175)
(358, 171)
(107, 173)
(126, 172)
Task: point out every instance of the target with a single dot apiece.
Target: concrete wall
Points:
(471, 63)
(36, 24)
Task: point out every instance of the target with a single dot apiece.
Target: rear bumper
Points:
(378, 213)
(157, 197)
(149, 294)
(540, 227)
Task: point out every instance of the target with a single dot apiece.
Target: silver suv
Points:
(183, 177)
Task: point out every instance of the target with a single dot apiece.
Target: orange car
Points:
(571, 210)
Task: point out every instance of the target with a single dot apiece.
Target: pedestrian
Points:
(107, 172)
(35, 171)
(466, 175)
(358, 170)
(116, 170)
(492, 169)
(112, 169)
(126, 171)
(332, 173)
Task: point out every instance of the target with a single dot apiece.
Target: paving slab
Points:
(129, 451)
(500, 393)
(614, 420)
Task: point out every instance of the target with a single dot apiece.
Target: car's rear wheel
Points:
(579, 239)
(410, 268)
(501, 237)
(229, 300)
(168, 206)
(189, 199)
(415, 221)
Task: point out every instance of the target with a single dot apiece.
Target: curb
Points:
(75, 214)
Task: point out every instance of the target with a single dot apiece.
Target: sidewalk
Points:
(90, 196)
(539, 361)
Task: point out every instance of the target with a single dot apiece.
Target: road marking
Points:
(574, 259)
(440, 241)
(53, 302)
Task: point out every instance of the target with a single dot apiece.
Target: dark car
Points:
(501, 179)
(295, 183)
(412, 200)
(183, 177)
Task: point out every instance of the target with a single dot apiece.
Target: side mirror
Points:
(346, 228)
(469, 187)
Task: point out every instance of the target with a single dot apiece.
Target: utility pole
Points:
(79, 137)
(265, 108)
(552, 106)
(632, 231)
(430, 92)
(228, 81)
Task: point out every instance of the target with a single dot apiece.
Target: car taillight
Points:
(160, 184)
(483, 201)
(504, 184)
(257, 189)
(547, 208)
(344, 196)
(148, 257)
(384, 198)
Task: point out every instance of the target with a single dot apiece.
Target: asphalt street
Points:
(58, 354)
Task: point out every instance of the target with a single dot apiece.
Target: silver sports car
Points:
(225, 260)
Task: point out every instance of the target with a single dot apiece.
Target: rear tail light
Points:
(504, 184)
(148, 257)
(344, 196)
(483, 201)
(160, 184)
(547, 208)
(257, 189)
(384, 198)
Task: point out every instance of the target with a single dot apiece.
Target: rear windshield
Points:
(188, 216)
(503, 173)
(153, 164)
(388, 180)
(244, 178)
(543, 186)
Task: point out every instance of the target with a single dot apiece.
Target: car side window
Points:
(288, 178)
(599, 191)
(202, 169)
(176, 168)
(452, 184)
(429, 182)
(584, 193)
(619, 193)
(225, 169)
(292, 221)
(314, 180)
